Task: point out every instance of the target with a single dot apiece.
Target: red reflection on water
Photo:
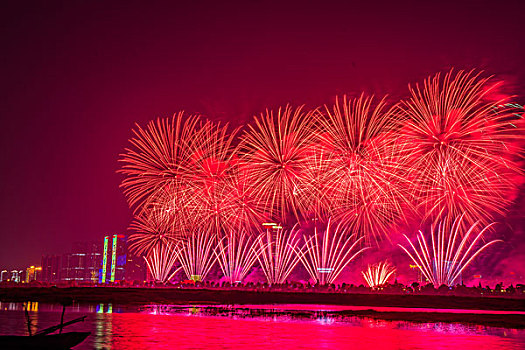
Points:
(145, 331)
(315, 307)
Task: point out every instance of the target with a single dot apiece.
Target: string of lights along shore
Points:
(317, 188)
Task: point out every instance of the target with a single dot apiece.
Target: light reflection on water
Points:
(169, 327)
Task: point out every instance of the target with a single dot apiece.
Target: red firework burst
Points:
(158, 157)
(462, 146)
(212, 165)
(275, 153)
(362, 171)
(153, 226)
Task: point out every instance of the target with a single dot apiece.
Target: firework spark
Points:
(161, 260)
(236, 254)
(276, 150)
(363, 171)
(158, 157)
(325, 255)
(450, 254)
(451, 126)
(378, 274)
(196, 255)
(213, 164)
(153, 226)
(278, 253)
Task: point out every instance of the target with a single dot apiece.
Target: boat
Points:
(44, 339)
(49, 341)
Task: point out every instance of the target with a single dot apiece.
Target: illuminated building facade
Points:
(16, 276)
(114, 258)
(33, 274)
(82, 265)
(51, 266)
(4, 276)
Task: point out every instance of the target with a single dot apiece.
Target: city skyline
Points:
(253, 174)
(62, 149)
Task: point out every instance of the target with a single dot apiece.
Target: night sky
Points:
(76, 76)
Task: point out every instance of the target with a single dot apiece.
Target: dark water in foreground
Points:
(169, 327)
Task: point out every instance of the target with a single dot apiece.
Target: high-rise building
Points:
(16, 276)
(93, 258)
(135, 268)
(73, 267)
(51, 266)
(82, 264)
(113, 259)
(33, 274)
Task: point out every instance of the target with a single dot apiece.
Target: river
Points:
(272, 327)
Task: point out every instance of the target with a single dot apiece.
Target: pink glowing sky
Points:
(76, 76)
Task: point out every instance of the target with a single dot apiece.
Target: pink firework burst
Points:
(153, 226)
(212, 163)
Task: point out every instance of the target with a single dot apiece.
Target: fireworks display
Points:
(161, 261)
(276, 150)
(455, 129)
(363, 169)
(197, 255)
(325, 254)
(278, 254)
(378, 274)
(236, 255)
(369, 168)
(451, 251)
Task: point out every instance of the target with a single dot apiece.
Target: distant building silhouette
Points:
(51, 266)
(82, 264)
(104, 262)
(19, 276)
(33, 274)
(135, 268)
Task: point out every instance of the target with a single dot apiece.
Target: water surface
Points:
(282, 328)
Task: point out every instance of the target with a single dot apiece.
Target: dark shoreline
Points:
(239, 297)
(121, 295)
(504, 321)
(515, 321)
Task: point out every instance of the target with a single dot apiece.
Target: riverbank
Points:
(324, 314)
(232, 296)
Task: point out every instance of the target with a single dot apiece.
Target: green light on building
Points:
(104, 260)
(113, 258)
